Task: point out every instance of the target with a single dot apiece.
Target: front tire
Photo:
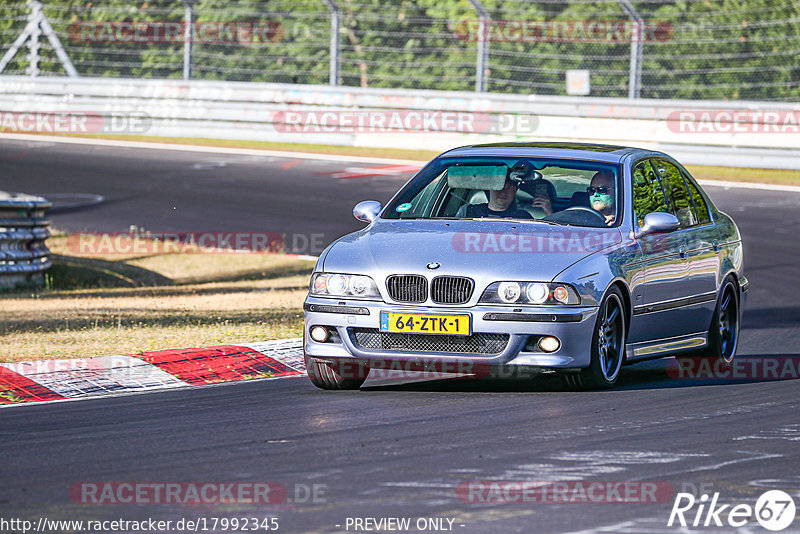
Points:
(339, 375)
(608, 346)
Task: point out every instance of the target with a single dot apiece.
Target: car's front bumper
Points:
(572, 325)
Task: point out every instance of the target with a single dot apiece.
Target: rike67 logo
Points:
(774, 510)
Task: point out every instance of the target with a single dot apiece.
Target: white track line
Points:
(312, 156)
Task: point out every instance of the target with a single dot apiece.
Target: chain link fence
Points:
(689, 49)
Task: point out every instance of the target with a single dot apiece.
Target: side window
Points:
(680, 201)
(647, 193)
(421, 204)
(700, 205)
(457, 201)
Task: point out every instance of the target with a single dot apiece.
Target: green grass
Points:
(10, 396)
(100, 305)
(735, 174)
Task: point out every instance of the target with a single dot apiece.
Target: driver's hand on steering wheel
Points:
(609, 220)
(543, 203)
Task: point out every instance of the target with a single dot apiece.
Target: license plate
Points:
(419, 323)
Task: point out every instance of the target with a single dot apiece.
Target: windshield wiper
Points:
(533, 221)
(554, 223)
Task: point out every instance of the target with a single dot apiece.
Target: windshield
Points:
(576, 192)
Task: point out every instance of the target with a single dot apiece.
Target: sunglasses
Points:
(602, 190)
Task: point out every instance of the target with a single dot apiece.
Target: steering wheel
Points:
(588, 210)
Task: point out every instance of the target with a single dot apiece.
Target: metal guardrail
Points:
(258, 111)
(24, 256)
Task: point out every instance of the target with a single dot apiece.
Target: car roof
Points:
(567, 150)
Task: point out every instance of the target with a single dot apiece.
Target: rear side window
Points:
(700, 204)
(680, 201)
(648, 196)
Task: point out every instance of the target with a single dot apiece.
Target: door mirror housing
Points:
(367, 211)
(658, 223)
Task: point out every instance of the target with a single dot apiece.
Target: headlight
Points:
(337, 284)
(509, 291)
(343, 285)
(530, 293)
(537, 293)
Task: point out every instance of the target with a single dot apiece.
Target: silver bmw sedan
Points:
(512, 258)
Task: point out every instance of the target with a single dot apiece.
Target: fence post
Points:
(37, 24)
(188, 20)
(333, 8)
(637, 36)
(482, 61)
(34, 19)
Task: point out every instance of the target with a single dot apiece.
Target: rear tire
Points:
(339, 375)
(608, 346)
(723, 334)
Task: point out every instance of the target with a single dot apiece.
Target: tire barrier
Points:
(24, 256)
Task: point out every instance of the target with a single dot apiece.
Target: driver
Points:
(602, 194)
(501, 204)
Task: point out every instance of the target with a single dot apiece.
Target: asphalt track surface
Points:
(397, 448)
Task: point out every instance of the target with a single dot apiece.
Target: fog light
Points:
(547, 343)
(319, 334)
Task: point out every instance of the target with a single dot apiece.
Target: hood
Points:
(482, 250)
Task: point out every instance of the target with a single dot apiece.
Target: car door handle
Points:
(715, 246)
(682, 252)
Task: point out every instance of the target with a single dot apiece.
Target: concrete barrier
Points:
(746, 134)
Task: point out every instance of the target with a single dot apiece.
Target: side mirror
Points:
(658, 223)
(367, 211)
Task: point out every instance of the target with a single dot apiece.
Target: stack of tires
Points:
(24, 256)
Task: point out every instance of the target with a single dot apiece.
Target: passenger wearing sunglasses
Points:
(602, 195)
